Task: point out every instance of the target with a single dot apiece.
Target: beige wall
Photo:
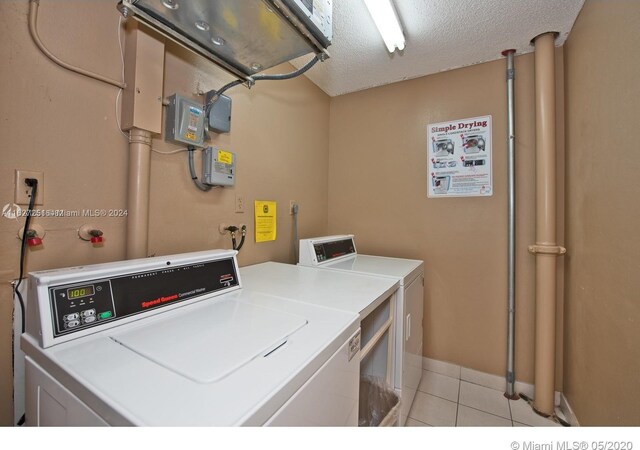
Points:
(64, 124)
(602, 332)
(377, 190)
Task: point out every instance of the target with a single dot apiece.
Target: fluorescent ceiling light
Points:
(385, 18)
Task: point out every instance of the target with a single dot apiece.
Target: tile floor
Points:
(443, 400)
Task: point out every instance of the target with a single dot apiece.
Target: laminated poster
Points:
(265, 213)
(459, 158)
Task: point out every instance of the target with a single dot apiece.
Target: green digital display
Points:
(79, 292)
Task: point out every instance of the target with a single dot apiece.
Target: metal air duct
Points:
(243, 37)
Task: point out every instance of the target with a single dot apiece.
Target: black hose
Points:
(244, 233)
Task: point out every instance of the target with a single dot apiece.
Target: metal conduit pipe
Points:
(546, 249)
(138, 193)
(511, 251)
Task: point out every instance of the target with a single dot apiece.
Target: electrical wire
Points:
(23, 247)
(33, 30)
(33, 183)
(281, 76)
(117, 107)
(192, 171)
(218, 93)
(170, 152)
(118, 97)
(287, 76)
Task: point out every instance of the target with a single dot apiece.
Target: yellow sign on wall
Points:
(265, 216)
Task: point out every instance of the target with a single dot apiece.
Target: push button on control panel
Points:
(69, 317)
(89, 319)
(88, 313)
(72, 323)
(104, 315)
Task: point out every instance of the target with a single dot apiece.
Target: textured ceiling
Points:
(441, 35)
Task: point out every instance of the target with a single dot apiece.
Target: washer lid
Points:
(206, 346)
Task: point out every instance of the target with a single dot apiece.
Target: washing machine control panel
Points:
(327, 251)
(78, 306)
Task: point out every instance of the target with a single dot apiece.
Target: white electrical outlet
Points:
(239, 203)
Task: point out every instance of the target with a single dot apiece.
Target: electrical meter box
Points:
(184, 121)
(218, 167)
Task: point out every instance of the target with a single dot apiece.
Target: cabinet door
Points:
(412, 358)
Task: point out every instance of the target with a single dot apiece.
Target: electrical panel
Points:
(218, 167)
(184, 121)
(220, 115)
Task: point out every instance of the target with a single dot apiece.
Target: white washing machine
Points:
(373, 298)
(339, 253)
(176, 341)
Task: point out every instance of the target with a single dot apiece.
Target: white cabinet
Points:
(412, 342)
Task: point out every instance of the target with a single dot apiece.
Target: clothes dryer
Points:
(338, 253)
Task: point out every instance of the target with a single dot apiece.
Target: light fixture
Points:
(385, 17)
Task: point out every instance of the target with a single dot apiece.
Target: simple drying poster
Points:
(459, 158)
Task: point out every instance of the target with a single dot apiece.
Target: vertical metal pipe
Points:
(546, 248)
(138, 193)
(511, 251)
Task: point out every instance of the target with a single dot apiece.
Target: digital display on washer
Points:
(330, 250)
(80, 306)
(81, 291)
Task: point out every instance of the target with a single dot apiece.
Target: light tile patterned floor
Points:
(443, 400)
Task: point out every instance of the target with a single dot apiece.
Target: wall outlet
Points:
(239, 203)
(23, 192)
(292, 203)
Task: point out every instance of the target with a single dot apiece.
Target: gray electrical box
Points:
(184, 121)
(220, 115)
(218, 167)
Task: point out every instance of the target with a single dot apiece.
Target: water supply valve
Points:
(33, 240)
(92, 234)
(96, 236)
(34, 235)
